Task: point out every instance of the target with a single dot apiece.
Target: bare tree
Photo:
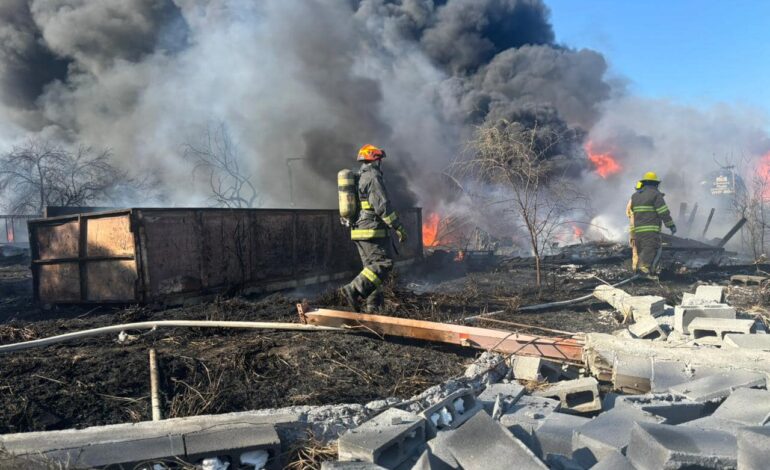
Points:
(513, 160)
(39, 173)
(216, 157)
(752, 204)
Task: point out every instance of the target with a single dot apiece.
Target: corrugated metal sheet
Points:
(163, 255)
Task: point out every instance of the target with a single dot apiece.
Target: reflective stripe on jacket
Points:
(649, 210)
(377, 214)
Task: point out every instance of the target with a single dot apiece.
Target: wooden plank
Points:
(556, 349)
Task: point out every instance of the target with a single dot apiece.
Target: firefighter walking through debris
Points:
(369, 222)
(646, 210)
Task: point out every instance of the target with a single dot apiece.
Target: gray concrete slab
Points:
(614, 461)
(647, 328)
(388, 439)
(578, 396)
(482, 444)
(754, 448)
(232, 441)
(441, 457)
(632, 374)
(675, 409)
(749, 406)
(683, 315)
(759, 342)
(337, 465)
(509, 393)
(610, 431)
(710, 423)
(718, 327)
(657, 446)
(667, 374)
(718, 386)
(554, 434)
(715, 294)
(119, 453)
(451, 412)
(524, 416)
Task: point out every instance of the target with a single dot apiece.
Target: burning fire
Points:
(577, 232)
(763, 172)
(430, 230)
(604, 163)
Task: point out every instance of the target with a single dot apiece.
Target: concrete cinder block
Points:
(642, 306)
(667, 374)
(743, 341)
(483, 443)
(656, 446)
(441, 457)
(753, 447)
(554, 434)
(526, 415)
(509, 393)
(715, 294)
(578, 396)
(719, 327)
(610, 431)
(535, 369)
(749, 406)
(117, 453)
(710, 423)
(647, 328)
(718, 386)
(674, 409)
(683, 315)
(614, 461)
(451, 412)
(336, 465)
(632, 374)
(232, 441)
(388, 439)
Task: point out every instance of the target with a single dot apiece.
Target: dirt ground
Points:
(101, 381)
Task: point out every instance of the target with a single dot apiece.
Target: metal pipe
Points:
(162, 323)
(154, 395)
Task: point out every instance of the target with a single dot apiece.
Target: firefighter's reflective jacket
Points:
(648, 209)
(376, 214)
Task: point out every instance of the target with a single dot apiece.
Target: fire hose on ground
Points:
(36, 343)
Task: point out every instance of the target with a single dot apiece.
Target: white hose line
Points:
(35, 343)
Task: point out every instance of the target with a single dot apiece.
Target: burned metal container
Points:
(162, 256)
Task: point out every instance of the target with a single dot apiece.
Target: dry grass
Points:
(309, 453)
(11, 334)
(197, 398)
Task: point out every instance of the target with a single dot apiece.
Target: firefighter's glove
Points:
(402, 236)
(673, 230)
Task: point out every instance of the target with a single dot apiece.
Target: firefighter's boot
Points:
(375, 302)
(351, 296)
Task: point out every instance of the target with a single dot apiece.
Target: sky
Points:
(696, 52)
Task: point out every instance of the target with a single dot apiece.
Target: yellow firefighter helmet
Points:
(651, 176)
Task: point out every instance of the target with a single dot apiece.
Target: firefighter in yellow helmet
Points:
(647, 210)
(370, 233)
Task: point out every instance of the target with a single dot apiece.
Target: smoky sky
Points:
(301, 86)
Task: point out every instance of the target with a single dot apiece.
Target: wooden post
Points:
(154, 394)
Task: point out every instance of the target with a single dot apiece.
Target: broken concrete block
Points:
(117, 453)
(710, 423)
(646, 305)
(451, 412)
(715, 294)
(524, 416)
(579, 396)
(232, 441)
(614, 461)
(743, 341)
(749, 406)
(718, 386)
(610, 431)
(387, 439)
(441, 457)
(535, 369)
(561, 462)
(753, 447)
(509, 393)
(656, 446)
(554, 434)
(482, 443)
(336, 465)
(632, 374)
(667, 374)
(647, 328)
(683, 315)
(630, 306)
(674, 409)
(719, 327)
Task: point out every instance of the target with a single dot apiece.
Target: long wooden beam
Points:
(556, 349)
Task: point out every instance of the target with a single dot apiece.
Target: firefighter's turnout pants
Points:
(377, 258)
(648, 248)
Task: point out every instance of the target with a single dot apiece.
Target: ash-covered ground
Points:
(204, 371)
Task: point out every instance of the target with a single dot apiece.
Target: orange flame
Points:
(763, 172)
(430, 230)
(577, 232)
(604, 163)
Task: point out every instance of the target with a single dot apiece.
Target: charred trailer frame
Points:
(165, 256)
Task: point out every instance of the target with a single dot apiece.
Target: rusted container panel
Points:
(163, 255)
